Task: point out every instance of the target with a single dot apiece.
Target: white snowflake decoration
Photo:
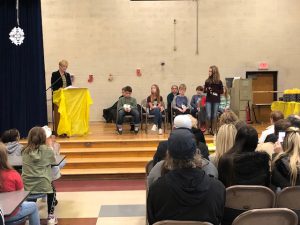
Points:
(17, 35)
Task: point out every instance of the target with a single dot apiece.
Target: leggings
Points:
(51, 200)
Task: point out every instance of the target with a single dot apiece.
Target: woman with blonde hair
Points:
(224, 141)
(286, 165)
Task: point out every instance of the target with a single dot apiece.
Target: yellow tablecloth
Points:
(287, 108)
(74, 108)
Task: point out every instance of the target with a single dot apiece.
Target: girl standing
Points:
(213, 88)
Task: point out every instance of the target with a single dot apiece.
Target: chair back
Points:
(240, 198)
(148, 167)
(175, 222)
(1, 217)
(289, 198)
(275, 216)
(248, 197)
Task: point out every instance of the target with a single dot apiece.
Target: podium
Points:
(74, 110)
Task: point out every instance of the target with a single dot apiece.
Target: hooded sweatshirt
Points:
(36, 171)
(186, 194)
(14, 148)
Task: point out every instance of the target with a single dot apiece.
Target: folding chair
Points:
(289, 198)
(240, 198)
(275, 216)
(145, 115)
(175, 222)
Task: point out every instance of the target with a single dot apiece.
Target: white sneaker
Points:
(154, 128)
(52, 220)
(160, 131)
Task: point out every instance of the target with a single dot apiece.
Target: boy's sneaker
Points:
(136, 130)
(119, 130)
(160, 131)
(154, 128)
(52, 220)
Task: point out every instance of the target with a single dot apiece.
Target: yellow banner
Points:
(74, 108)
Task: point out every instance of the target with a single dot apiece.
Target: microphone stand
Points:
(54, 128)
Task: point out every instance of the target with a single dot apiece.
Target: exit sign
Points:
(263, 66)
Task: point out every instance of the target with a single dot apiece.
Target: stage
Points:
(104, 153)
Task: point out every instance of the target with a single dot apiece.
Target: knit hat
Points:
(183, 121)
(182, 144)
(47, 131)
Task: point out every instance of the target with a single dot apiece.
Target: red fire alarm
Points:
(138, 72)
(263, 66)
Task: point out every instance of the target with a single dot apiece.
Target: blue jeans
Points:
(27, 209)
(211, 110)
(134, 112)
(157, 116)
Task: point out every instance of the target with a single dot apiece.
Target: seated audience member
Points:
(170, 97)
(224, 101)
(37, 158)
(156, 107)
(11, 139)
(127, 106)
(186, 122)
(274, 117)
(224, 141)
(185, 192)
(285, 166)
(181, 104)
(242, 165)
(161, 168)
(228, 117)
(272, 139)
(10, 180)
(295, 120)
(189, 122)
(51, 142)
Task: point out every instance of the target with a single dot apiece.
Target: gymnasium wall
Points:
(103, 37)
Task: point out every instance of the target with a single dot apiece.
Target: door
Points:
(262, 82)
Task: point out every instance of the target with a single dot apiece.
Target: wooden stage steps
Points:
(108, 157)
(104, 154)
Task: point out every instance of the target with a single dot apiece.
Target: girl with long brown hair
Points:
(155, 105)
(213, 88)
(37, 159)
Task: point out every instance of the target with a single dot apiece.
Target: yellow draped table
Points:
(287, 108)
(74, 109)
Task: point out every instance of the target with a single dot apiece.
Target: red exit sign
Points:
(263, 66)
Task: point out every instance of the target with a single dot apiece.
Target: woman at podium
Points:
(60, 78)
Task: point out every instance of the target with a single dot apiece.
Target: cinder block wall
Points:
(103, 37)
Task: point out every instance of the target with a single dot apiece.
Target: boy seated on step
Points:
(127, 106)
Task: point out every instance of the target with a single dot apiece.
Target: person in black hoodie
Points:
(242, 165)
(185, 192)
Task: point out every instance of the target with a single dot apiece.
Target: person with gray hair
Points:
(185, 192)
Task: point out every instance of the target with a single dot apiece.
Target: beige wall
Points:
(100, 37)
